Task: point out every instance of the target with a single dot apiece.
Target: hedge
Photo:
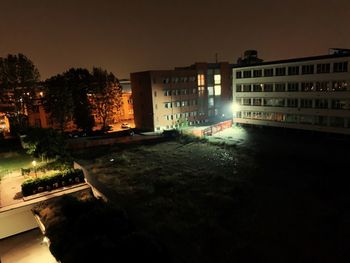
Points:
(48, 183)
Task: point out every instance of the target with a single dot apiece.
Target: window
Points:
(291, 118)
(306, 119)
(293, 70)
(257, 73)
(238, 74)
(217, 89)
(321, 120)
(280, 87)
(340, 86)
(257, 102)
(280, 71)
(307, 86)
(155, 94)
(247, 74)
(306, 103)
(274, 102)
(336, 122)
(323, 86)
(246, 101)
(210, 91)
(323, 68)
(200, 79)
(321, 103)
(292, 103)
(340, 67)
(340, 104)
(246, 88)
(307, 69)
(211, 102)
(238, 88)
(217, 79)
(293, 86)
(257, 88)
(268, 72)
(268, 87)
(167, 105)
(200, 91)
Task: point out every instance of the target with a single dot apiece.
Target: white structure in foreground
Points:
(311, 93)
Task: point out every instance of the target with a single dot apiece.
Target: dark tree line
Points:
(71, 96)
(19, 75)
(76, 93)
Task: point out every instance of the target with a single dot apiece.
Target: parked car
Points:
(125, 125)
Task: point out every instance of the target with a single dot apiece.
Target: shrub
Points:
(67, 177)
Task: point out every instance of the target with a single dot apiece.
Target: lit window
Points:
(217, 90)
(211, 102)
(200, 79)
(210, 91)
(217, 79)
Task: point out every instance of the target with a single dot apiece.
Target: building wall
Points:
(142, 100)
(311, 94)
(184, 96)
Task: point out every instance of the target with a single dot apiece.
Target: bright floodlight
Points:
(34, 163)
(236, 107)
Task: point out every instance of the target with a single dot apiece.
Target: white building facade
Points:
(306, 93)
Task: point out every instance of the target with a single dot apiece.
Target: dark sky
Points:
(134, 35)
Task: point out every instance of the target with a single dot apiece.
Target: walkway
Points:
(25, 248)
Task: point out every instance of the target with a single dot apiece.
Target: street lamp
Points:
(34, 164)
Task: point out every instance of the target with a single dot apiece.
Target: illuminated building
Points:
(168, 99)
(311, 93)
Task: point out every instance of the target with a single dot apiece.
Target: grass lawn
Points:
(11, 161)
(187, 195)
(276, 198)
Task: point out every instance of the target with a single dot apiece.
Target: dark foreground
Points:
(273, 196)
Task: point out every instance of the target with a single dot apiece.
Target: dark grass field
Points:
(275, 196)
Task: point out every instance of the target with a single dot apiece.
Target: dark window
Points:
(306, 103)
(307, 69)
(247, 74)
(340, 67)
(280, 71)
(321, 104)
(307, 86)
(323, 68)
(238, 74)
(293, 86)
(268, 87)
(280, 87)
(246, 88)
(257, 73)
(293, 70)
(238, 88)
(292, 103)
(257, 88)
(323, 86)
(268, 72)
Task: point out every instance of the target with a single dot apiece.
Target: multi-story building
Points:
(167, 99)
(311, 93)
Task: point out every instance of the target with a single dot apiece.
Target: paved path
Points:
(10, 189)
(25, 248)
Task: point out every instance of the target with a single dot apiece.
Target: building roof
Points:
(302, 59)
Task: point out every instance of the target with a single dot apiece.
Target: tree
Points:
(106, 95)
(18, 76)
(58, 100)
(44, 143)
(66, 98)
(79, 81)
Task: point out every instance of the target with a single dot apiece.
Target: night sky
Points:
(128, 36)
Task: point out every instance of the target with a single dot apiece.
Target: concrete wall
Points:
(16, 221)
